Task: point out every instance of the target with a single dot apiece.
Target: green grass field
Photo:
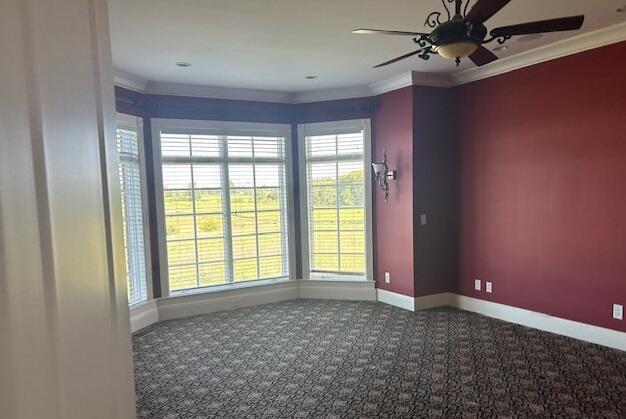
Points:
(257, 241)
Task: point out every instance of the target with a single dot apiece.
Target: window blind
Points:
(336, 204)
(132, 210)
(225, 208)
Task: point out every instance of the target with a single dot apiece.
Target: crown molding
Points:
(411, 78)
(137, 84)
(129, 81)
(393, 83)
(574, 45)
(331, 94)
(213, 92)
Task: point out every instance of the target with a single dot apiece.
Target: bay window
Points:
(132, 181)
(335, 200)
(224, 202)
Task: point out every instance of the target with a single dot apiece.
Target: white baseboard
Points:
(143, 315)
(209, 302)
(395, 299)
(426, 302)
(245, 296)
(581, 331)
(444, 299)
(338, 290)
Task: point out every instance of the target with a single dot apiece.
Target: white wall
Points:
(64, 329)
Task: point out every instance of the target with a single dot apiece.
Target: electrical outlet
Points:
(618, 312)
(477, 285)
(387, 278)
(423, 219)
(489, 287)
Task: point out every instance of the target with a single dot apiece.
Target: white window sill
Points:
(337, 277)
(228, 287)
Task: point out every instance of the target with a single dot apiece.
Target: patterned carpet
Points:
(353, 359)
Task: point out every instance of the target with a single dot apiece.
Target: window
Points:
(225, 202)
(129, 147)
(335, 177)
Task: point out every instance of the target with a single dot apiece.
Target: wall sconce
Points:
(383, 175)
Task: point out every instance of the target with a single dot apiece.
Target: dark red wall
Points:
(393, 222)
(435, 181)
(416, 126)
(543, 186)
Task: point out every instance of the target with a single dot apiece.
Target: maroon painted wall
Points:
(435, 182)
(543, 186)
(393, 223)
(416, 126)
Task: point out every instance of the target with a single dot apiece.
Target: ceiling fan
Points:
(464, 33)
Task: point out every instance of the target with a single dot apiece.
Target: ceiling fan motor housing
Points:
(458, 30)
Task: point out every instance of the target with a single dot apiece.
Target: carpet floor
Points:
(308, 358)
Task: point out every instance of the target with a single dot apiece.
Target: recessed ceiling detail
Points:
(270, 45)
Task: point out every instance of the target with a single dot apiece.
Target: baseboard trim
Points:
(150, 312)
(338, 290)
(143, 315)
(425, 302)
(444, 299)
(186, 305)
(536, 320)
(395, 299)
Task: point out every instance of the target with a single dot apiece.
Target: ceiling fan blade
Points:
(483, 56)
(552, 25)
(385, 32)
(484, 9)
(402, 57)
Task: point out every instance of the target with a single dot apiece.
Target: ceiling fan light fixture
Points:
(464, 34)
(460, 49)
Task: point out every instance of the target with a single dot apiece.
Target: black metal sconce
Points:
(383, 175)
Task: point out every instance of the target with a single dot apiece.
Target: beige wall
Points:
(64, 332)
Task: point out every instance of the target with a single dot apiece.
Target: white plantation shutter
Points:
(336, 210)
(225, 207)
(130, 176)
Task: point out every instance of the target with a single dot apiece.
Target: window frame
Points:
(335, 128)
(210, 127)
(126, 121)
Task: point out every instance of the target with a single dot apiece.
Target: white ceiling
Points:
(274, 44)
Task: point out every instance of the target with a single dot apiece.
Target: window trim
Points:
(132, 122)
(218, 128)
(335, 128)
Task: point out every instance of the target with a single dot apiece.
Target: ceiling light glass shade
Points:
(457, 49)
